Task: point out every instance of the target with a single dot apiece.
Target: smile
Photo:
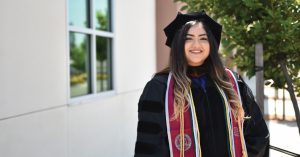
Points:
(195, 51)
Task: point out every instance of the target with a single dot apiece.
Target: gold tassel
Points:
(244, 152)
(182, 132)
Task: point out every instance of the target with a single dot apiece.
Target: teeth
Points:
(195, 51)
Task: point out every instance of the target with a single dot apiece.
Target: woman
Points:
(196, 107)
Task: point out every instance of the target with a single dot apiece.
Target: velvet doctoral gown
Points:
(152, 138)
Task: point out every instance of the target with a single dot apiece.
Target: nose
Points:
(196, 43)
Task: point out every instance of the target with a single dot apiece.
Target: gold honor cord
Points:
(181, 116)
(244, 152)
(227, 117)
(195, 117)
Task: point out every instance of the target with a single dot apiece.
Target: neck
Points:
(196, 71)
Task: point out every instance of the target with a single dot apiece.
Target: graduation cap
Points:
(182, 19)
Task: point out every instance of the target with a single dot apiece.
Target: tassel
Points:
(244, 152)
(182, 132)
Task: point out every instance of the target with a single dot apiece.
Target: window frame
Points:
(93, 33)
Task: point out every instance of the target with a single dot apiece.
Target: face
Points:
(196, 46)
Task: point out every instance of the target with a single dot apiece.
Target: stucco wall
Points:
(36, 117)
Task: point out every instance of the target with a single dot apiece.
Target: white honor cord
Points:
(167, 114)
(231, 130)
(194, 126)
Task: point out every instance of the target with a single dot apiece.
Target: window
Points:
(90, 45)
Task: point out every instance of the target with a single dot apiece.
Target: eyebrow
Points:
(194, 35)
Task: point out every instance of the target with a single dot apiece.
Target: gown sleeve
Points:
(152, 138)
(256, 132)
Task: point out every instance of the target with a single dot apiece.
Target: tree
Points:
(102, 48)
(275, 23)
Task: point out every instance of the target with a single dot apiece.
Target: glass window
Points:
(80, 70)
(90, 38)
(102, 18)
(79, 13)
(104, 80)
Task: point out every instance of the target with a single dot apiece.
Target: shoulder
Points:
(235, 74)
(241, 83)
(155, 89)
(161, 78)
(158, 81)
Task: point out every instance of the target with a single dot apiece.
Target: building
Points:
(40, 114)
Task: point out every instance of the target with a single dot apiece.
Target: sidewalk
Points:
(285, 135)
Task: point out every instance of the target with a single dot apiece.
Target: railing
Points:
(284, 151)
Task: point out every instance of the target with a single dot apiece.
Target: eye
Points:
(188, 38)
(203, 38)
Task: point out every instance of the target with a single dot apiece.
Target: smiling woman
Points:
(195, 107)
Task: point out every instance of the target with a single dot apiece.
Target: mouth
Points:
(195, 51)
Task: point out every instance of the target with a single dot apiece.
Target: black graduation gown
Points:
(152, 140)
(210, 113)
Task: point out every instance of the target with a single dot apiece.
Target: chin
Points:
(195, 64)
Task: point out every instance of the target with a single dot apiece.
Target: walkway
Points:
(285, 135)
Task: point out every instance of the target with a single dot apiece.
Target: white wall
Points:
(32, 56)
(135, 40)
(35, 117)
(41, 134)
